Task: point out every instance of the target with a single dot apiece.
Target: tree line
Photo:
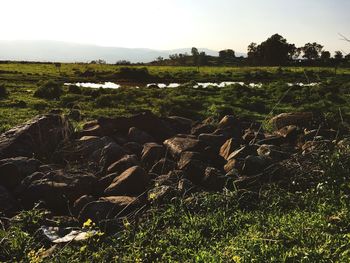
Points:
(275, 51)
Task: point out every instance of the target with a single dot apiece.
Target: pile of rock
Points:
(113, 166)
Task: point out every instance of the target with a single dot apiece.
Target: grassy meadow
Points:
(281, 223)
(22, 79)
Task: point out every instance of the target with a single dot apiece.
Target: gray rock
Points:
(133, 181)
(39, 137)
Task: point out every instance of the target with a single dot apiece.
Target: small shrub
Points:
(74, 89)
(41, 105)
(3, 92)
(70, 99)
(107, 100)
(19, 104)
(49, 90)
(134, 73)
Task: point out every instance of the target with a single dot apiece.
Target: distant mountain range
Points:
(56, 51)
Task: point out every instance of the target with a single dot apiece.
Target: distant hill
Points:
(26, 50)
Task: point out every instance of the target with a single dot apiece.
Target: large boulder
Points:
(81, 202)
(163, 166)
(87, 148)
(213, 179)
(133, 148)
(243, 152)
(202, 128)
(179, 124)
(133, 181)
(228, 121)
(136, 135)
(108, 208)
(56, 189)
(254, 165)
(178, 145)
(7, 203)
(272, 152)
(300, 119)
(151, 154)
(185, 157)
(228, 147)
(14, 170)
(123, 164)
(91, 128)
(38, 137)
(213, 140)
(194, 171)
(110, 154)
(147, 122)
(170, 179)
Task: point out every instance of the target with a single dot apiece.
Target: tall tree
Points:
(338, 55)
(325, 55)
(275, 51)
(227, 54)
(195, 55)
(312, 51)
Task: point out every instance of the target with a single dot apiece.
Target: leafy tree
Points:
(195, 55)
(194, 52)
(227, 54)
(253, 52)
(58, 67)
(3, 91)
(338, 55)
(312, 51)
(202, 59)
(325, 55)
(275, 51)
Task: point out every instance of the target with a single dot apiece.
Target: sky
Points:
(170, 24)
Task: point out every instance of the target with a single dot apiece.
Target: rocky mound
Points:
(114, 166)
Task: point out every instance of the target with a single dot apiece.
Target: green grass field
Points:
(21, 81)
(282, 224)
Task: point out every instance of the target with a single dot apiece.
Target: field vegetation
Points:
(305, 219)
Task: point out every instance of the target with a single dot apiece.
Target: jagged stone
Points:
(8, 204)
(300, 119)
(243, 152)
(228, 121)
(57, 189)
(186, 157)
(123, 164)
(151, 154)
(178, 145)
(273, 152)
(213, 179)
(171, 178)
(110, 154)
(202, 128)
(228, 147)
(136, 135)
(133, 181)
(108, 207)
(212, 140)
(254, 165)
(163, 166)
(194, 171)
(161, 194)
(133, 148)
(147, 122)
(81, 202)
(179, 124)
(14, 170)
(39, 137)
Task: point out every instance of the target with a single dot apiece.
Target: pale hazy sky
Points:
(168, 24)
